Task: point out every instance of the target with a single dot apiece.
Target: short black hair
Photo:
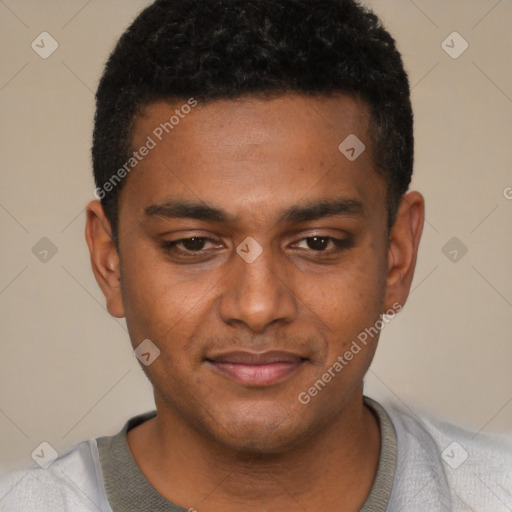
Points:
(224, 49)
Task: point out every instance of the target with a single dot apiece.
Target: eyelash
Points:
(339, 244)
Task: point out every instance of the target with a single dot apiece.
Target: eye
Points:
(323, 243)
(191, 245)
(204, 247)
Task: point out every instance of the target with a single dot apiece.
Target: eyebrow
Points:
(299, 213)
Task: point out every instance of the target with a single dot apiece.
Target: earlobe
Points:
(104, 257)
(404, 241)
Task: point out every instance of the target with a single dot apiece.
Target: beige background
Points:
(67, 371)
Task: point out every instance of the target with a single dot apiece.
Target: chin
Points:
(258, 434)
(255, 443)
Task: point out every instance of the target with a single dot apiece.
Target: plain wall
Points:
(67, 371)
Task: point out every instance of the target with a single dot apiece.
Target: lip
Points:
(256, 369)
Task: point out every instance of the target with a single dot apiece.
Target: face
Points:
(252, 253)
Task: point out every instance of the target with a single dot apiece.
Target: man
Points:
(254, 227)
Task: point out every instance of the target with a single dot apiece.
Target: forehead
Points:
(290, 121)
(248, 153)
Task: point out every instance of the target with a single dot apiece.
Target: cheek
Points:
(150, 309)
(352, 300)
(161, 302)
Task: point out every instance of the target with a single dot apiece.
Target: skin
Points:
(218, 444)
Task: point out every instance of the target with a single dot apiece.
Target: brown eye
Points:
(192, 245)
(325, 243)
(318, 243)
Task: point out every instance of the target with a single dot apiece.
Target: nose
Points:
(258, 294)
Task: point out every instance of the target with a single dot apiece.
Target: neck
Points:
(334, 469)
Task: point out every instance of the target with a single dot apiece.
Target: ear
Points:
(104, 257)
(404, 240)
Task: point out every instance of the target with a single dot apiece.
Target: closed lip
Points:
(256, 369)
(256, 358)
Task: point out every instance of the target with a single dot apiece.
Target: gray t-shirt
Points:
(128, 490)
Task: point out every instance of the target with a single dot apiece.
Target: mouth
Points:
(256, 369)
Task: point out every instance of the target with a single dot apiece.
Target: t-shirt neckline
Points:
(128, 490)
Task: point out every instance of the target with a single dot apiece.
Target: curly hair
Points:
(213, 49)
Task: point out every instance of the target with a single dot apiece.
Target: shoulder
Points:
(454, 444)
(73, 482)
(470, 469)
